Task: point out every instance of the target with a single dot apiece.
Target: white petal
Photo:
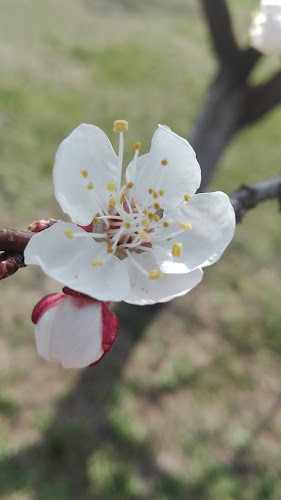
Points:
(212, 218)
(86, 148)
(69, 261)
(265, 30)
(70, 332)
(134, 168)
(144, 291)
(271, 7)
(180, 176)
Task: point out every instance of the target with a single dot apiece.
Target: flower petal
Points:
(70, 332)
(69, 261)
(179, 174)
(134, 168)
(87, 150)
(212, 218)
(144, 291)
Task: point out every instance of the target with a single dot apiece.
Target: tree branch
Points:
(250, 195)
(242, 199)
(220, 26)
(261, 99)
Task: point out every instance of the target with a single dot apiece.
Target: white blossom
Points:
(265, 29)
(143, 241)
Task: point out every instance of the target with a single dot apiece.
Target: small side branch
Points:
(250, 195)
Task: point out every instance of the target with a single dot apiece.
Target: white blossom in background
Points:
(265, 29)
(73, 330)
(143, 242)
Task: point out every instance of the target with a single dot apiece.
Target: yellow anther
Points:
(137, 145)
(150, 191)
(155, 274)
(185, 225)
(123, 196)
(133, 203)
(97, 262)
(84, 173)
(177, 250)
(111, 204)
(127, 224)
(129, 185)
(156, 206)
(120, 126)
(96, 220)
(150, 216)
(155, 195)
(145, 212)
(168, 239)
(144, 236)
(110, 249)
(111, 186)
(187, 197)
(164, 162)
(146, 223)
(68, 233)
(156, 217)
(90, 185)
(161, 192)
(166, 223)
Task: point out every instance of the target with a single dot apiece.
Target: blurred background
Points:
(188, 404)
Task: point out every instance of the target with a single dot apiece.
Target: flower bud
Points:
(73, 329)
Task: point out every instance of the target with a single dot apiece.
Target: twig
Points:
(242, 199)
(249, 195)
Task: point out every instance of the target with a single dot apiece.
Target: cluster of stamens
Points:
(123, 224)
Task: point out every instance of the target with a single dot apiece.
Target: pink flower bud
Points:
(73, 329)
(39, 225)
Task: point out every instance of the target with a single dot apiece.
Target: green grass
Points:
(187, 405)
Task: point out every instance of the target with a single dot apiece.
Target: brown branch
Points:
(261, 99)
(220, 26)
(12, 240)
(242, 199)
(250, 195)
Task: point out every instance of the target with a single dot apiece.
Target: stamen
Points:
(111, 186)
(185, 225)
(164, 162)
(97, 262)
(129, 185)
(112, 204)
(138, 266)
(90, 185)
(96, 220)
(127, 224)
(150, 191)
(69, 233)
(144, 236)
(155, 195)
(187, 197)
(166, 223)
(177, 250)
(137, 145)
(84, 173)
(161, 192)
(156, 206)
(120, 126)
(88, 235)
(146, 223)
(154, 274)
(110, 249)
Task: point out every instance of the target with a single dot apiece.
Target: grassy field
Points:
(188, 403)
